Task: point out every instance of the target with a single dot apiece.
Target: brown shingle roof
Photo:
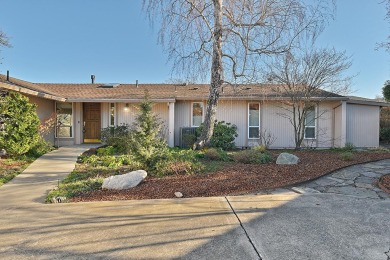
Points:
(86, 92)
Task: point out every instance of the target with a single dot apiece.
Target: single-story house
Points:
(82, 110)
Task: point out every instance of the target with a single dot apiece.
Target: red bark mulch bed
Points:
(384, 183)
(237, 178)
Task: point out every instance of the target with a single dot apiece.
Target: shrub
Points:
(384, 134)
(170, 167)
(40, 148)
(21, 123)
(216, 154)
(116, 136)
(260, 148)
(109, 150)
(252, 156)
(223, 136)
(145, 139)
(346, 156)
(76, 188)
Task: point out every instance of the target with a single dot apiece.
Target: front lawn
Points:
(216, 175)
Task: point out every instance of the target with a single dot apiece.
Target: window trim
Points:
(109, 115)
(72, 123)
(248, 126)
(192, 113)
(315, 126)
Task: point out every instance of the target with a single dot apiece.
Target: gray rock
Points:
(178, 194)
(3, 152)
(287, 158)
(124, 181)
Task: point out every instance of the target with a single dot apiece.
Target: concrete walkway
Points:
(358, 180)
(284, 225)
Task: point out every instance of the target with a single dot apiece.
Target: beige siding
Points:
(45, 110)
(274, 123)
(324, 126)
(127, 116)
(363, 125)
(105, 112)
(337, 126)
(78, 122)
(182, 118)
(235, 112)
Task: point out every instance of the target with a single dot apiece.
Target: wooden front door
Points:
(92, 123)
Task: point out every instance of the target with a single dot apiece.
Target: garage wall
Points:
(363, 125)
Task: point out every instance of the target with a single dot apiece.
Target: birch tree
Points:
(226, 41)
(304, 79)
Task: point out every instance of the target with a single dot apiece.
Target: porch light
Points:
(127, 107)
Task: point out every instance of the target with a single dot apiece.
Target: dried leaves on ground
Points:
(237, 178)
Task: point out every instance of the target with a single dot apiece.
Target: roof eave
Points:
(129, 100)
(24, 90)
(368, 103)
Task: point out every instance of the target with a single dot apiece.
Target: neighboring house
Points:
(82, 110)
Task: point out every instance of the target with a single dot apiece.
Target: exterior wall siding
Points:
(363, 125)
(45, 109)
(127, 115)
(274, 123)
(337, 126)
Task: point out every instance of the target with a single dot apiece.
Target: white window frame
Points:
(192, 113)
(252, 138)
(109, 115)
(72, 120)
(315, 126)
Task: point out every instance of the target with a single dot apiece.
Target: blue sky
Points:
(67, 41)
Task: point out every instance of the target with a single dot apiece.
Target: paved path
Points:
(284, 225)
(358, 180)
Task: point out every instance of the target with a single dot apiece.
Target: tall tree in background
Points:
(227, 40)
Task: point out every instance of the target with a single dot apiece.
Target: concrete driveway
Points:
(284, 225)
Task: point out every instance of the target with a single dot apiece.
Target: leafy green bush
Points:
(216, 154)
(223, 136)
(40, 148)
(346, 156)
(384, 134)
(109, 150)
(21, 124)
(116, 136)
(252, 157)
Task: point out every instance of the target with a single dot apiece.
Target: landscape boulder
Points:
(124, 181)
(287, 158)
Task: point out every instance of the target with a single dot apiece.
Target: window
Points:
(64, 119)
(197, 113)
(112, 114)
(253, 120)
(310, 124)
